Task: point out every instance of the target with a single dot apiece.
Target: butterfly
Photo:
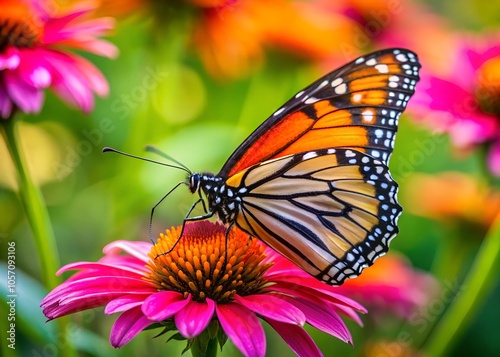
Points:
(312, 181)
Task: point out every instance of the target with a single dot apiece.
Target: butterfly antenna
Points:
(180, 167)
(151, 148)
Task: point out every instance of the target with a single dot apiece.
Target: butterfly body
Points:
(312, 181)
(223, 200)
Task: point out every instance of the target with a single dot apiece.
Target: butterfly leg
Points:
(154, 207)
(203, 202)
(228, 229)
(187, 219)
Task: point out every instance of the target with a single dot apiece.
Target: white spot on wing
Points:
(401, 57)
(278, 112)
(311, 100)
(371, 62)
(356, 98)
(309, 155)
(349, 153)
(368, 115)
(322, 84)
(382, 68)
(336, 82)
(341, 89)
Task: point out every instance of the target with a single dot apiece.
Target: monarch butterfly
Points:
(312, 180)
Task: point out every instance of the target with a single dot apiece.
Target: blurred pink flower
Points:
(190, 287)
(381, 24)
(391, 285)
(33, 56)
(465, 105)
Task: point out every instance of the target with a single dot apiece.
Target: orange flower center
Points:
(488, 91)
(19, 26)
(200, 265)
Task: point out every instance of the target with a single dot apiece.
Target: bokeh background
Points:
(194, 78)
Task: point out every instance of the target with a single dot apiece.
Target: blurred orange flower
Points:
(451, 196)
(400, 24)
(231, 38)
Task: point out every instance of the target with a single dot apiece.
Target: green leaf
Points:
(189, 345)
(221, 338)
(176, 337)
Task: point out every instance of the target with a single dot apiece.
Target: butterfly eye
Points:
(194, 182)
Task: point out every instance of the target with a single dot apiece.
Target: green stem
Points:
(480, 280)
(34, 206)
(38, 218)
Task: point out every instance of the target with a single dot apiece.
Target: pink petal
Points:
(321, 316)
(446, 96)
(136, 249)
(350, 313)
(127, 326)
(243, 328)
(90, 292)
(68, 80)
(104, 269)
(96, 46)
(124, 303)
(33, 68)
(54, 25)
(471, 131)
(5, 102)
(478, 59)
(94, 77)
(494, 158)
(273, 308)
(28, 98)
(162, 305)
(316, 289)
(96, 285)
(9, 59)
(297, 338)
(194, 318)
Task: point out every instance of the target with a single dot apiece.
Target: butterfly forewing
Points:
(331, 211)
(356, 106)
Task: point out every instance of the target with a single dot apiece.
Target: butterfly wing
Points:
(331, 211)
(356, 106)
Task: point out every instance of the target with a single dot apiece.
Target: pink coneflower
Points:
(34, 56)
(391, 284)
(191, 288)
(466, 104)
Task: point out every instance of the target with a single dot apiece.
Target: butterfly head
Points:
(194, 182)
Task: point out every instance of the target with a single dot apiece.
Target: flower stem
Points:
(38, 217)
(34, 206)
(478, 283)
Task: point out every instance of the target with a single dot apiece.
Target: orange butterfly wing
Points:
(356, 106)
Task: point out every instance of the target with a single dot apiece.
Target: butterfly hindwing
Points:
(330, 211)
(356, 106)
